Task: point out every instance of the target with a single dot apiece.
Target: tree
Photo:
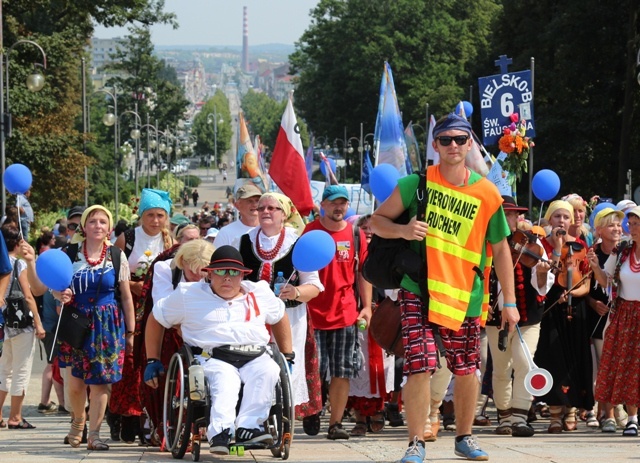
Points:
(204, 127)
(431, 46)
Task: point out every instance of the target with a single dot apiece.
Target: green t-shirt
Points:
(497, 229)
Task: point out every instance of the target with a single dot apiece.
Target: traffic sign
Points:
(502, 95)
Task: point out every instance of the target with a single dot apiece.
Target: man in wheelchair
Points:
(227, 319)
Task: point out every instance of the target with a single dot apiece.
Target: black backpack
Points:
(388, 260)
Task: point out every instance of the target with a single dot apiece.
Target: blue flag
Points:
(308, 159)
(366, 172)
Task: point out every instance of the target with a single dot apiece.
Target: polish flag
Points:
(288, 169)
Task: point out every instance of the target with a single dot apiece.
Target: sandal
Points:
(543, 410)
(592, 421)
(75, 433)
(95, 443)
(3, 424)
(376, 422)
(429, 435)
(311, 425)
(359, 430)
(570, 423)
(24, 424)
(631, 430)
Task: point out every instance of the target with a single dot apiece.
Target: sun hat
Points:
(510, 204)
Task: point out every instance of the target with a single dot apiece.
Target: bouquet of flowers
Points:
(143, 264)
(516, 146)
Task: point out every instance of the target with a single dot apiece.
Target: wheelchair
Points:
(186, 420)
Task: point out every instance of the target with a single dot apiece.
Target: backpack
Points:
(388, 260)
(17, 313)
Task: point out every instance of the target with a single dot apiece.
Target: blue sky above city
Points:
(219, 22)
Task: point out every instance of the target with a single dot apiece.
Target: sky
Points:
(219, 22)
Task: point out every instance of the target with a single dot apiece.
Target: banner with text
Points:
(502, 95)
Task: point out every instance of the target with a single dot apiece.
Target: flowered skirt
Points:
(619, 373)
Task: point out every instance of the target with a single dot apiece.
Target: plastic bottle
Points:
(362, 324)
(279, 283)
(196, 382)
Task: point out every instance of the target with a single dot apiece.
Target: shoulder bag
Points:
(17, 313)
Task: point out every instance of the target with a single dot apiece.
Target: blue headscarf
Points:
(150, 199)
(452, 122)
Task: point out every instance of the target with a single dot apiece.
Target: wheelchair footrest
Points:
(236, 450)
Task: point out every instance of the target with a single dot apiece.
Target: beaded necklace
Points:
(634, 265)
(93, 263)
(269, 255)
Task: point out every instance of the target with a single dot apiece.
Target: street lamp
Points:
(35, 82)
(213, 117)
(135, 134)
(111, 119)
(151, 145)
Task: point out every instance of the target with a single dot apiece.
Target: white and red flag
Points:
(287, 168)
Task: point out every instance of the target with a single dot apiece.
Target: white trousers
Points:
(259, 377)
(15, 363)
(507, 393)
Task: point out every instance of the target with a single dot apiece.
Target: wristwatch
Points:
(297, 294)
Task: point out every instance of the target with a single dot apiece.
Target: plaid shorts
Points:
(339, 352)
(420, 351)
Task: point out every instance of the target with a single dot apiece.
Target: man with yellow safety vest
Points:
(463, 215)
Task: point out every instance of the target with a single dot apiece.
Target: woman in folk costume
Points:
(267, 250)
(563, 347)
(141, 245)
(99, 363)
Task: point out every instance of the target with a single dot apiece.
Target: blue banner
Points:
(500, 96)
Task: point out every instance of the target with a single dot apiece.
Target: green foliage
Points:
(204, 127)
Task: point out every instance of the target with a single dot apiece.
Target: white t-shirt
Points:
(208, 321)
(231, 234)
(144, 242)
(629, 288)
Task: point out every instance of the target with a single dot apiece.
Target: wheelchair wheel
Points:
(284, 398)
(195, 450)
(176, 413)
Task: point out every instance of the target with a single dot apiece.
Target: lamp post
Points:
(35, 82)
(215, 121)
(151, 145)
(111, 119)
(135, 134)
(350, 149)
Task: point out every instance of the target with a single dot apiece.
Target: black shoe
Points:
(253, 436)
(51, 407)
(62, 410)
(114, 421)
(128, 429)
(311, 425)
(219, 444)
(394, 416)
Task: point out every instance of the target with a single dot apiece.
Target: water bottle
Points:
(196, 382)
(279, 283)
(362, 324)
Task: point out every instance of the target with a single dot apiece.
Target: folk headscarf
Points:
(559, 204)
(79, 236)
(150, 199)
(291, 214)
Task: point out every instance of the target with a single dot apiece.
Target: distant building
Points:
(101, 51)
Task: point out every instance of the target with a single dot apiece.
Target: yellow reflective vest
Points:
(458, 218)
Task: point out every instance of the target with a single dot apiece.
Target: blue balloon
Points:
(468, 108)
(350, 213)
(545, 184)
(597, 209)
(17, 179)
(313, 251)
(625, 224)
(383, 179)
(323, 166)
(55, 270)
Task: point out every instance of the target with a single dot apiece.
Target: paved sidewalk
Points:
(584, 445)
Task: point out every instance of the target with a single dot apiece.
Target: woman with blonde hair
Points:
(141, 245)
(580, 228)
(98, 363)
(267, 250)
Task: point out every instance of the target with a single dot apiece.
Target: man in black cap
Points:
(227, 320)
(73, 220)
(531, 283)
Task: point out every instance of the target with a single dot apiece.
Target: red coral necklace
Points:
(269, 255)
(633, 262)
(93, 263)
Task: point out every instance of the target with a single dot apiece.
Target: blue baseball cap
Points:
(334, 192)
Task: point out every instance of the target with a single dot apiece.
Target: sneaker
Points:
(62, 410)
(51, 407)
(468, 448)
(336, 432)
(253, 436)
(415, 453)
(393, 415)
(219, 444)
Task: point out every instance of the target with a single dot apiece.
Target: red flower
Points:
(514, 117)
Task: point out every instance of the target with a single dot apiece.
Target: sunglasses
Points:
(459, 139)
(223, 271)
(268, 208)
(72, 226)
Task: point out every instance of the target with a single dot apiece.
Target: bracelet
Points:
(129, 333)
(297, 294)
(557, 254)
(508, 304)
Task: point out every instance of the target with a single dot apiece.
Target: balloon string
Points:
(540, 216)
(55, 336)
(19, 221)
